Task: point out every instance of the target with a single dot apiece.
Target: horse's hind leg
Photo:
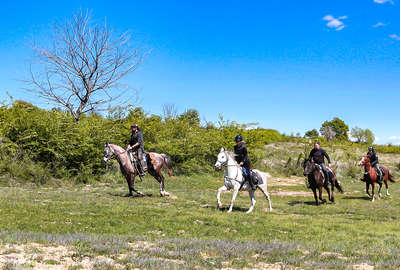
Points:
(264, 190)
(373, 192)
(220, 190)
(235, 192)
(253, 201)
(387, 188)
(162, 186)
(379, 191)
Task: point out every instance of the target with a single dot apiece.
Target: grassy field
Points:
(99, 228)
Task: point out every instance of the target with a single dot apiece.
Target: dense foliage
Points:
(64, 148)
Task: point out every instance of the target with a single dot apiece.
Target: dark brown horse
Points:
(371, 177)
(155, 164)
(316, 180)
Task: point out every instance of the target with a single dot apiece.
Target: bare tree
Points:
(169, 110)
(83, 68)
(328, 132)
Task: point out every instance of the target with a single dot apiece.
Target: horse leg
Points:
(387, 188)
(379, 190)
(130, 184)
(333, 191)
(235, 193)
(266, 194)
(367, 189)
(162, 186)
(253, 201)
(220, 190)
(320, 194)
(315, 195)
(329, 192)
(373, 192)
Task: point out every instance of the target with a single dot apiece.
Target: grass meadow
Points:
(100, 228)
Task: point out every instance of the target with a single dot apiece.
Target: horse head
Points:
(308, 167)
(222, 159)
(108, 152)
(364, 161)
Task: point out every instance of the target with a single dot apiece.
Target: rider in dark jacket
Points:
(136, 146)
(373, 157)
(243, 159)
(318, 154)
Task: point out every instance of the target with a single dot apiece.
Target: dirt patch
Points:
(290, 193)
(288, 181)
(363, 266)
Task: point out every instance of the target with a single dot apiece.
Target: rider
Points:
(243, 159)
(136, 146)
(318, 154)
(373, 157)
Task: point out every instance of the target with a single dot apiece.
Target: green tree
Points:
(337, 127)
(311, 133)
(362, 135)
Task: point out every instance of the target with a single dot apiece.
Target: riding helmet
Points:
(370, 148)
(238, 138)
(134, 125)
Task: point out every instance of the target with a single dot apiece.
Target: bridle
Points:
(225, 164)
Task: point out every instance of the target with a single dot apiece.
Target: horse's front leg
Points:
(320, 194)
(220, 190)
(130, 184)
(253, 201)
(235, 193)
(367, 190)
(315, 195)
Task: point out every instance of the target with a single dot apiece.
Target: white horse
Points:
(233, 179)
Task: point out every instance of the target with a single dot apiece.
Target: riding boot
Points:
(250, 180)
(363, 179)
(379, 178)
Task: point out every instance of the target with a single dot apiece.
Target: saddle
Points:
(330, 172)
(255, 178)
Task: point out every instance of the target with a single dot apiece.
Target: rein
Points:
(233, 165)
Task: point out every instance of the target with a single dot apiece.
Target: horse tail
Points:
(167, 164)
(338, 186)
(391, 179)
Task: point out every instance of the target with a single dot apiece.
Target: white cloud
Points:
(377, 139)
(394, 36)
(379, 24)
(335, 23)
(384, 1)
(394, 138)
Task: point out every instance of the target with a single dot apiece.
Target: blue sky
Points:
(288, 65)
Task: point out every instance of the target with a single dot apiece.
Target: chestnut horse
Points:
(155, 164)
(371, 177)
(316, 180)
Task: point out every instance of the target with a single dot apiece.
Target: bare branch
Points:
(82, 69)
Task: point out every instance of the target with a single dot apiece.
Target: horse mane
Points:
(232, 155)
(117, 148)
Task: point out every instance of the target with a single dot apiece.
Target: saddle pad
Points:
(257, 179)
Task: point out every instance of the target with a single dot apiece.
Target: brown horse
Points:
(316, 180)
(155, 164)
(371, 177)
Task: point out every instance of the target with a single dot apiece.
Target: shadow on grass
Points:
(226, 208)
(365, 198)
(127, 195)
(293, 203)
